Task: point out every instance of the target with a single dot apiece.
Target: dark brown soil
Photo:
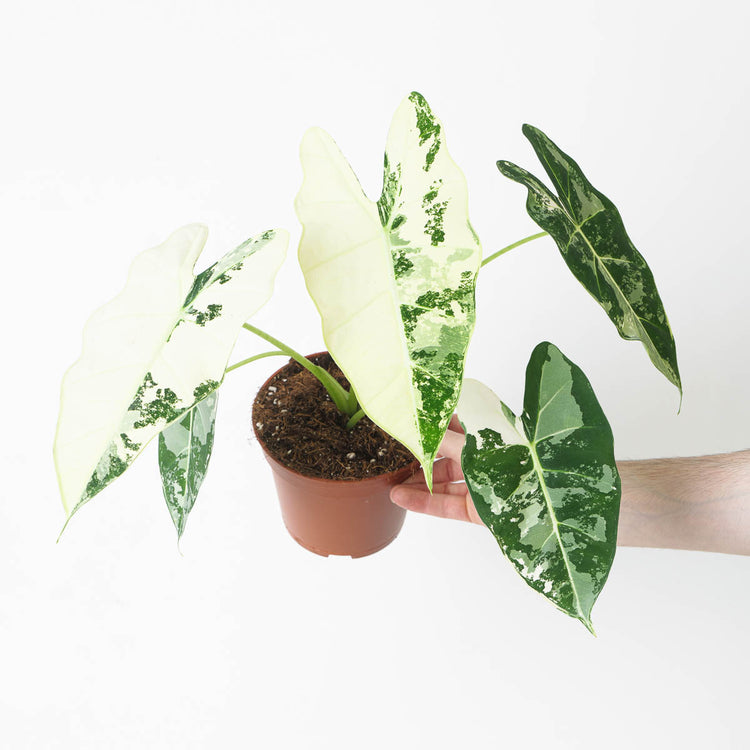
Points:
(301, 428)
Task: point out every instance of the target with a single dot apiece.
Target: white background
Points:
(120, 123)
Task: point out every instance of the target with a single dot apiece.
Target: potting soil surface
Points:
(303, 429)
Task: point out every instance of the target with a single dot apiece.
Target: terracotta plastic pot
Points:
(338, 517)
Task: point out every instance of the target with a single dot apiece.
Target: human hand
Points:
(449, 498)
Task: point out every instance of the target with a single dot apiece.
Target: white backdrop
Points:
(122, 122)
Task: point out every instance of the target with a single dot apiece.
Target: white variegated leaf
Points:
(153, 352)
(546, 483)
(393, 279)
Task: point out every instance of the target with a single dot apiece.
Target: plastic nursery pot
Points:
(352, 517)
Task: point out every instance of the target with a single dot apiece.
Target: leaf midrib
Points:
(616, 287)
(553, 518)
(191, 415)
(600, 263)
(387, 231)
(599, 260)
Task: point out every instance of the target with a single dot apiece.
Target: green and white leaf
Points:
(184, 452)
(153, 352)
(394, 279)
(546, 483)
(590, 234)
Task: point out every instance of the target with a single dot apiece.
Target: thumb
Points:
(452, 445)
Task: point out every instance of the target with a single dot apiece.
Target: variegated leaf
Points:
(590, 234)
(393, 279)
(546, 483)
(154, 351)
(184, 452)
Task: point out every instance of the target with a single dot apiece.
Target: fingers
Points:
(452, 445)
(449, 468)
(443, 470)
(455, 425)
(450, 501)
(449, 498)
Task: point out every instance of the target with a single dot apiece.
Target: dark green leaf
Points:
(184, 452)
(546, 483)
(588, 229)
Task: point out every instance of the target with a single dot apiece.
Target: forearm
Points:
(700, 503)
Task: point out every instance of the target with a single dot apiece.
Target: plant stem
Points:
(353, 421)
(247, 361)
(344, 400)
(510, 247)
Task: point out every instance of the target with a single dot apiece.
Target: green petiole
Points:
(247, 361)
(510, 247)
(354, 419)
(345, 401)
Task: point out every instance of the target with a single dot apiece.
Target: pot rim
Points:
(408, 470)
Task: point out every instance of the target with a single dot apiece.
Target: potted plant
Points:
(394, 282)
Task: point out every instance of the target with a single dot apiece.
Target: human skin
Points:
(699, 503)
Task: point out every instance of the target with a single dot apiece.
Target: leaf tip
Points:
(545, 346)
(509, 170)
(196, 233)
(62, 531)
(533, 134)
(427, 469)
(311, 136)
(588, 625)
(311, 132)
(416, 95)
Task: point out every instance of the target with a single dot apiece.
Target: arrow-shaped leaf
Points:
(184, 452)
(546, 483)
(153, 352)
(393, 280)
(590, 234)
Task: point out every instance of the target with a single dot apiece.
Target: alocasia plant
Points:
(394, 282)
